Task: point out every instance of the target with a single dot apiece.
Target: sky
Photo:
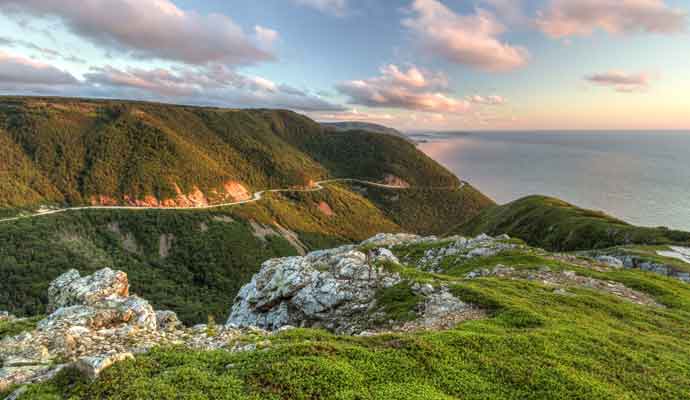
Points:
(410, 64)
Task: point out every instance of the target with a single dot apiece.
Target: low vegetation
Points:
(12, 327)
(556, 225)
(536, 343)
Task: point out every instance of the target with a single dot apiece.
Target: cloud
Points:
(213, 85)
(337, 8)
(582, 17)
(413, 89)
(621, 81)
(493, 100)
(149, 29)
(354, 115)
(464, 39)
(45, 52)
(265, 36)
(508, 10)
(17, 71)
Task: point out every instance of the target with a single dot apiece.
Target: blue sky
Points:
(411, 64)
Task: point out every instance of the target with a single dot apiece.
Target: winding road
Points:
(318, 186)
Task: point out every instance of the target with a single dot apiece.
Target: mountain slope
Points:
(556, 225)
(192, 262)
(363, 126)
(69, 152)
(117, 152)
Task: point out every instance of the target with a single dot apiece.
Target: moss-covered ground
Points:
(535, 344)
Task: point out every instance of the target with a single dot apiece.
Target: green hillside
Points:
(67, 152)
(538, 340)
(556, 225)
(190, 261)
(70, 151)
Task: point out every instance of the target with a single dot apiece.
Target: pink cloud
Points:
(621, 81)
(464, 39)
(17, 70)
(413, 89)
(582, 17)
(213, 85)
(354, 115)
(151, 29)
(492, 100)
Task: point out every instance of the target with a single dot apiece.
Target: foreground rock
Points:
(337, 290)
(330, 289)
(94, 323)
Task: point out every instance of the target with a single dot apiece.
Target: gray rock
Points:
(483, 252)
(439, 305)
(167, 320)
(383, 255)
(5, 316)
(427, 289)
(328, 289)
(396, 239)
(92, 366)
(610, 261)
(71, 289)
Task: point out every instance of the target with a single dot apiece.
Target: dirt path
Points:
(318, 186)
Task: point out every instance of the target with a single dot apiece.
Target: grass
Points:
(398, 302)
(535, 345)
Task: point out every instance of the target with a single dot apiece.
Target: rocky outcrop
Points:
(71, 289)
(561, 281)
(336, 289)
(328, 289)
(94, 323)
(463, 248)
(621, 259)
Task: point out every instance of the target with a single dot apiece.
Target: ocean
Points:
(640, 177)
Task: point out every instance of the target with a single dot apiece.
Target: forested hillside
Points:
(64, 152)
(61, 151)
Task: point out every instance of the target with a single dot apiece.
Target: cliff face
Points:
(228, 192)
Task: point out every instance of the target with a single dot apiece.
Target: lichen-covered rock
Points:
(167, 320)
(610, 261)
(113, 312)
(395, 239)
(463, 248)
(383, 255)
(71, 289)
(6, 316)
(91, 367)
(98, 323)
(328, 289)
